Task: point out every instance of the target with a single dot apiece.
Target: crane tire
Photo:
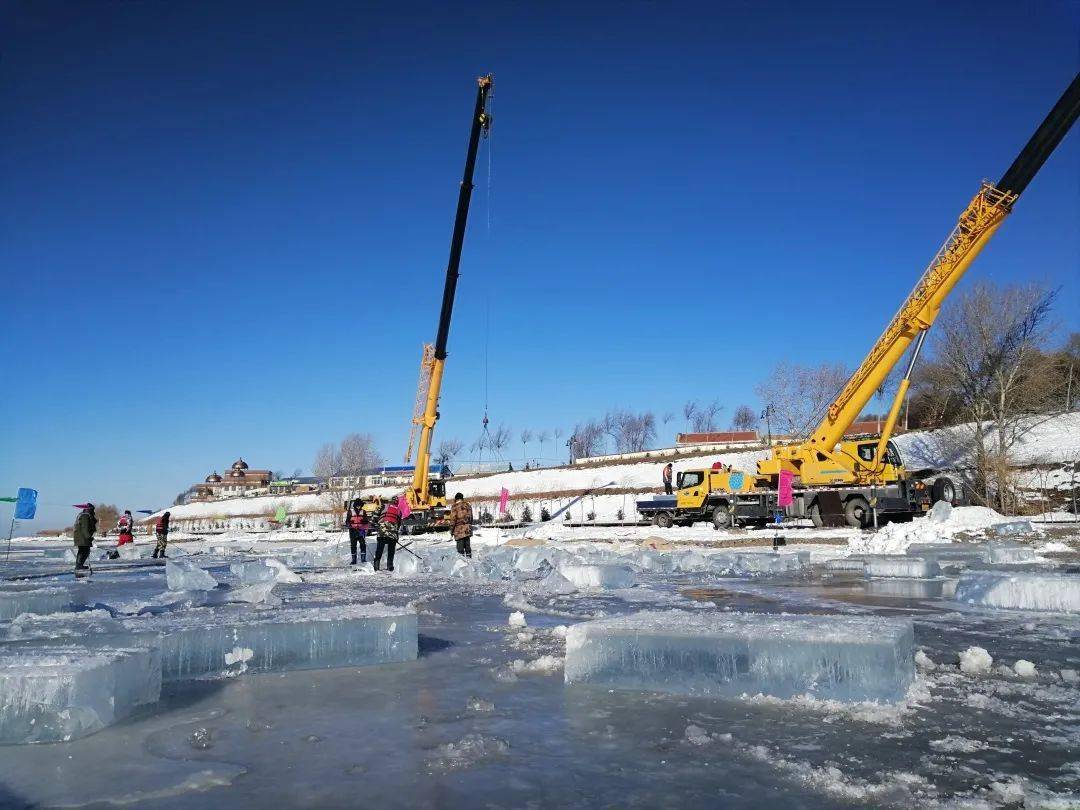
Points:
(943, 489)
(663, 520)
(857, 512)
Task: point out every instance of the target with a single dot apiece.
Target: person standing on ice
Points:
(358, 525)
(162, 531)
(125, 525)
(389, 526)
(83, 535)
(667, 479)
(461, 523)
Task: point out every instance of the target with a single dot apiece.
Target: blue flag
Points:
(26, 504)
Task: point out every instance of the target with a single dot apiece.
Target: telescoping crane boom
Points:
(426, 495)
(861, 479)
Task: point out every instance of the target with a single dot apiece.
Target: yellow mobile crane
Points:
(427, 496)
(866, 478)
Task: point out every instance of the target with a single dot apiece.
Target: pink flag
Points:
(504, 496)
(403, 505)
(784, 490)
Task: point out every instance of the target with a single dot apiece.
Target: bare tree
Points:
(688, 412)
(500, 437)
(667, 417)
(704, 418)
(557, 434)
(745, 418)
(343, 469)
(327, 463)
(542, 437)
(357, 454)
(587, 439)
(526, 437)
(447, 450)
(798, 395)
(298, 472)
(636, 431)
(989, 353)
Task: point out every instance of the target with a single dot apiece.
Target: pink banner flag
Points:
(403, 505)
(785, 497)
(504, 496)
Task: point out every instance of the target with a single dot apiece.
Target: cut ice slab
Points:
(896, 565)
(259, 571)
(55, 694)
(1059, 593)
(228, 640)
(15, 600)
(597, 576)
(847, 658)
(1004, 553)
(181, 575)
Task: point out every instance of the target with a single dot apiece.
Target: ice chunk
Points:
(517, 619)
(953, 554)
(727, 655)
(54, 694)
(894, 565)
(1014, 528)
(924, 662)
(940, 512)
(975, 661)
(1020, 590)
(130, 551)
(597, 576)
(268, 570)
(15, 600)
(181, 575)
(195, 643)
(60, 554)
(556, 583)
(999, 553)
(1025, 669)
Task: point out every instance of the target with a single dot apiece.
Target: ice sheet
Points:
(837, 657)
(62, 693)
(1049, 591)
(233, 639)
(15, 600)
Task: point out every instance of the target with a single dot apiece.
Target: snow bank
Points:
(894, 538)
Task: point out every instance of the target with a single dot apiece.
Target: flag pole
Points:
(11, 531)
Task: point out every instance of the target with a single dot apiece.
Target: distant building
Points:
(238, 482)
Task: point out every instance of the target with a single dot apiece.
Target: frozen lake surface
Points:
(482, 715)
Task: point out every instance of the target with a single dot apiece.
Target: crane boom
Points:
(418, 495)
(978, 222)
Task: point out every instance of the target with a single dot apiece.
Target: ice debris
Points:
(1049, 591)
(517, 619)
(1025, 669)
(975, 661)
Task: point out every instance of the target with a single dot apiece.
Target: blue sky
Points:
(226, 223)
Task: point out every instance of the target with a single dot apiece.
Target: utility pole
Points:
(767, 416)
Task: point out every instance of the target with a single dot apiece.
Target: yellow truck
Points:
(864, 479)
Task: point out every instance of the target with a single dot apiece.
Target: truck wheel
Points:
(663, 520)
(857, 512)
(944, 489)
(814, 513)
(721, 517)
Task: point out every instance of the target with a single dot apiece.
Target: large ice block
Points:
(54, 693)
(15, 600)
(1010, 552)
(181, 575)
(726, 655)
(845, 565)
(908, 588)
(1056, 592)
(897, 565)
(765, 563)
(597, 576)
(231, 639)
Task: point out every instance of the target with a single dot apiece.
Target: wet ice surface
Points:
(483, 717)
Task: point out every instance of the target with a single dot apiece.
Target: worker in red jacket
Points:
(126, 527)
(358, 525)
(389, 527)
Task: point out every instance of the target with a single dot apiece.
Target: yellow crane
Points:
(865, 478)
(427, 496)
